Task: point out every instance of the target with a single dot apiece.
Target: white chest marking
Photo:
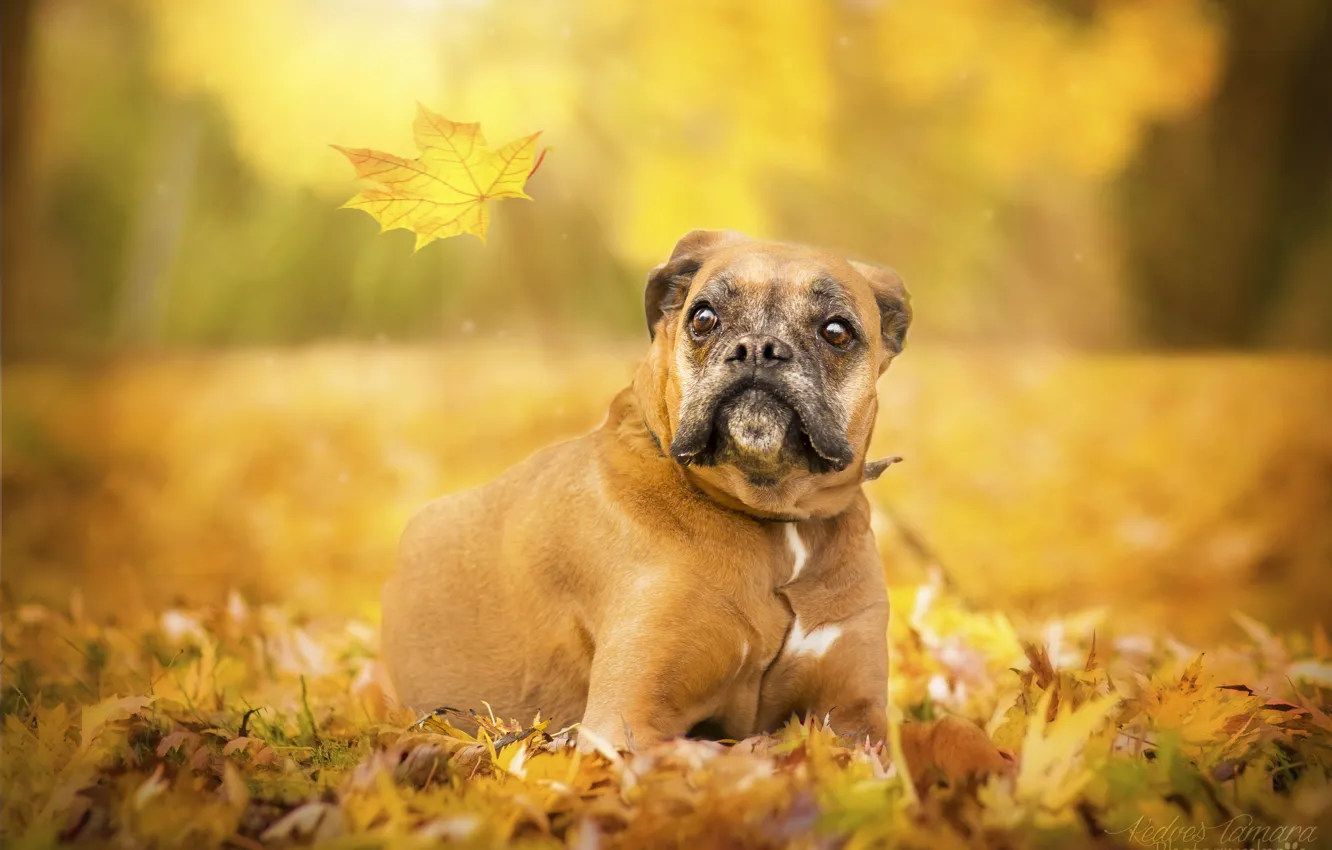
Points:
(815, 643)
(799, 553)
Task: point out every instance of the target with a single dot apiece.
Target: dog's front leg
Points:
(661, 666)
(849, 683)
(835, 668)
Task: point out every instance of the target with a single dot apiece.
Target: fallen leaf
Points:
(95, 717)
(316, 821)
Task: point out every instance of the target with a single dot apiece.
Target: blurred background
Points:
(1115, 217)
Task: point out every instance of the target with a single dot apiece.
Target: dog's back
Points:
(462, 619)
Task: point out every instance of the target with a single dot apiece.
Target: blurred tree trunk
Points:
(1224, 213)
(159, 221)
(16, 23)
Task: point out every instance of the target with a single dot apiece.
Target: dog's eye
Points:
(837, 333)
(704, 320)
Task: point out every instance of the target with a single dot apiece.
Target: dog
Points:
(704, 558)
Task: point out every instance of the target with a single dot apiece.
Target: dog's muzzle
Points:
(760, 419)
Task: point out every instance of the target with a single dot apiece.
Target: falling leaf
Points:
(442, 192)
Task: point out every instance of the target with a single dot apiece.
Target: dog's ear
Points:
(894, 303)
(668, 282)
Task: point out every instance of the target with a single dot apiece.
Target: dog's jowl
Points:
(706, 554)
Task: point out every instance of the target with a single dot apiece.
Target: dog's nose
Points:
(759, 350)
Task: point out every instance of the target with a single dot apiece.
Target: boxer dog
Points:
(703, 557)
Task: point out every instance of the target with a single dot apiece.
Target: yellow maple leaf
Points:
(442, 192)
(96, 717)
(1053, 769)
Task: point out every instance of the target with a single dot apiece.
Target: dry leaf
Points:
(314, 767)
(443, 191)
(95, 717)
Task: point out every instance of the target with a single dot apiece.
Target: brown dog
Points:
(706, 554)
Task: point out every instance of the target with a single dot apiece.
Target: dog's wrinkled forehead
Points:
(779, 269)
(784, 279)
(779, 287)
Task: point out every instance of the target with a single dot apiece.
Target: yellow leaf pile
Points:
(442, 192)
(245, 727)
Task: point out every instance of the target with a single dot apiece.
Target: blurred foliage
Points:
(1167, 490)
(1056, 170)
(240, 726)
(1082, 173)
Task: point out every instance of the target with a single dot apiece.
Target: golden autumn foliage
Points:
(1040, 88)
(1113, 566)
(145, 704)
(664, 125)
(243, 726)
(997, 152)
(442, 192)
(193, 544)
(1162, 489)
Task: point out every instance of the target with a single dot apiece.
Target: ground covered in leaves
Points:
(244, 727)
(146, 710)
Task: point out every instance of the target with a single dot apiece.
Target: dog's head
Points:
(764, 362)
